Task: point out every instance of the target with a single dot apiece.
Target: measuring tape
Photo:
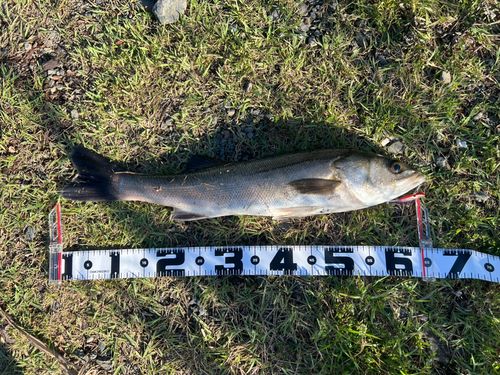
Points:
(424, 262)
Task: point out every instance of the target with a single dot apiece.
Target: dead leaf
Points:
(64, 364)
(5, 336)
(51, 64)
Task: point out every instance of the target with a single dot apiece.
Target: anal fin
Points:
(288, 213)
(180, 215)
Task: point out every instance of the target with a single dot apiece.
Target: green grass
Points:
(129, 75)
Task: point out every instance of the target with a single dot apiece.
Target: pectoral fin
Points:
(316, 186)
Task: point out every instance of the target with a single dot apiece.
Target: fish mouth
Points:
(409, 182)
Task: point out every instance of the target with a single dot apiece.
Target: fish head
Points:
(375, 179)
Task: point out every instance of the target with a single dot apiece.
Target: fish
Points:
(282, 186)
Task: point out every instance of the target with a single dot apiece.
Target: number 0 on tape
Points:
(424, 262)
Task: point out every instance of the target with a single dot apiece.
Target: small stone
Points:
(247, 86)
(51, 72)
(29, 232)
(441, 162)
(276, 15)
(446, 77)
(439, 137)
(303, 9)
(478, 117)
(51, 64)
(382, 60)
(461, 144)
(81, 354)
(105, 363)
(231, 112)
(233, 28)
(385, 142)
(361, 40)
(214, 120)
(439, 347)
(285, 226)
(312, 42)
(396, 148)
(360, 23)
(52, 39)
(74, 114)
(27, 46)
(455, 40)
(480, 196)
(102, 346)
(248, 129)
(169, 11)
(305, 25)
(250, 135)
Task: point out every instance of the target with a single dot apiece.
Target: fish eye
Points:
(396, 167)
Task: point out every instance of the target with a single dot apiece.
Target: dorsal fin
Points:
(197, 162)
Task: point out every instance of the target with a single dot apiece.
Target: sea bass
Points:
(283, 186)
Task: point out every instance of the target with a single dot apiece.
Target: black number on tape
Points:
(235, 260)
(283, 261)
(162, 264)
(115, 264)
(398, 266)
(347, 262)
(458, 266)
(68, 267)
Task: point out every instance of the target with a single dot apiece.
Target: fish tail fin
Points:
(97, 177)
